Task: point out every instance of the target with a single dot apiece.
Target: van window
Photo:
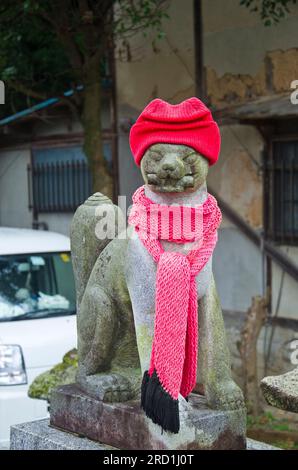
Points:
(36, 285)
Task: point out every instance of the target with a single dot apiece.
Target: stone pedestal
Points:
(125, 426)
(38, 435)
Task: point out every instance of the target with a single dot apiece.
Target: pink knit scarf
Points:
(173, 363)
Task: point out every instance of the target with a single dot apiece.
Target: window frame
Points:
(74, 167)
(270, 210)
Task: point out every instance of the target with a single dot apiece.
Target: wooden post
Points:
(247, 346)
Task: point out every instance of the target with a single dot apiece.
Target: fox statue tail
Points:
(89, 237)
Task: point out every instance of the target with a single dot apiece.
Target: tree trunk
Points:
(247, 346)
(91, 118)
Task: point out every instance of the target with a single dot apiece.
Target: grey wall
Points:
(129, 174)
(57, 222)
(237, 266)
(14, 210)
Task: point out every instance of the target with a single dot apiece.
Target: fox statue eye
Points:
(155, 156)
(190, 158)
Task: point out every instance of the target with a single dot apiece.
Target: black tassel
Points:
(145, 380)
(158, 404)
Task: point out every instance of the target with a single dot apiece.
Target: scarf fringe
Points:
(158, 404)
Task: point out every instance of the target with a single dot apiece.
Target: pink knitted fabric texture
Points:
(175, 345)
(187, 123)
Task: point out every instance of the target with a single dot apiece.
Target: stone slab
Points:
(38, 435)
(281, 391)
(125, 425)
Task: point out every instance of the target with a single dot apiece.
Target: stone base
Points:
(125, 425)
(38, 435)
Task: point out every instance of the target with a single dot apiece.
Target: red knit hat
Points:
(188, 123)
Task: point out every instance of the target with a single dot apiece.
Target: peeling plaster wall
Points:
(275, 74)
(236, 177)
(243, 58)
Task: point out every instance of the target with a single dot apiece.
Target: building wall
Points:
(245, 59)
(285, 287)
(237, 176)
(164, 70)
(58, 222)
(14, 211)
(237, 267)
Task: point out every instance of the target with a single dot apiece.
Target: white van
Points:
(37, 317)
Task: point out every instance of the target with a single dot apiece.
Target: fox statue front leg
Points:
(214, 367)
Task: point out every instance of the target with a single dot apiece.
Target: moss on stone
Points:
(61, 374)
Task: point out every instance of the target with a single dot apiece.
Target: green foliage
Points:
(45, 45)
(286, 444)
(62, 374)
(270, 11)
(269, 421)
(31, 56)
(277, 431)
(139, 15)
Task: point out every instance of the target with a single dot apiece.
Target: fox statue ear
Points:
(187, 123)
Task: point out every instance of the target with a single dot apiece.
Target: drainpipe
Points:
(200, 86)
(36, 224)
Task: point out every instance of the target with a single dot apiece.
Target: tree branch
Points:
(64, 35)
(27, 91)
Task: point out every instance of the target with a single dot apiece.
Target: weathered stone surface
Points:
(38, 435)
(257, 445)
(281, 391)
(125, 426)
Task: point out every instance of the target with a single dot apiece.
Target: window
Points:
(282, 171)
(60, 178)
(36, 285)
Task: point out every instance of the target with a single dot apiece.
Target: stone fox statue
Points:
(149, 317)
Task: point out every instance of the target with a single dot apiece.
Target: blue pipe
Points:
(36, 107)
